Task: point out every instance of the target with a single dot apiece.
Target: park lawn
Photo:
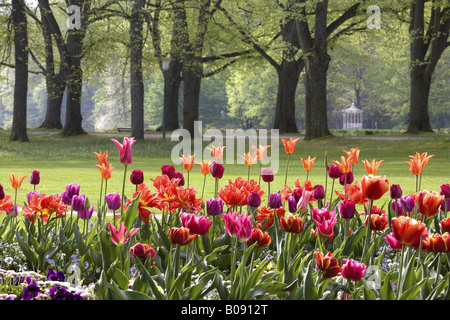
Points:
(62, 161)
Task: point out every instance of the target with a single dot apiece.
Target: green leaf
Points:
(369, 294)
(131, 214)
(26, 249)
(309, 288)
(387, 292)
(412, 292)
(119, 277)
(129, 294)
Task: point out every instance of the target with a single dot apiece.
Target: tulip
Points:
(395, 191)
(408, 202)
(71, 191)
(181, 236)
(353, 154)
(267, 175)
(217, 152)
(374, 187)
(260, 151)
(397, 207)
(393, 242)
(289, 145)
(188, 162)
(334, 172)
(346, 178)
(408, 231)
(328, 265)
(142, 251)
(445, 225)
(303, 203)
(353, 270)
(418, 162)
(445, 190)
(292, 204)
(347, 209)
(275, 200)
(125, 153)
(78, 202)
(378, 219)
(372, 167)
(113, 201)
(105, 170)
(437, 242)
(445, 206)
(324, 220)
(292, 224)
(214, 207)
(254, 200)
(137, 177)
(120, 237)
(86, 214)
(179, 175)
(196, 224)
(16, 182)
(217, 170)
(262, 239)
(168, 170)
(238, 225)
(428, 202)
(2, 192)
(35, 177)
(308, 163)
(345, 166)
(318, 192)
(205, 166)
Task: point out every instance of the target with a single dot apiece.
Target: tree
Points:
(19, 19)
(426, 49)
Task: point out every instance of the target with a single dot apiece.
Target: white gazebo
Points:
(353, 117)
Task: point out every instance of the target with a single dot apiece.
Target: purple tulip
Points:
(397, 207)
(86, 214)
(408, 202)
(292, 204)
(445, 190)
(350, 178)
(137, 177)
(217, 170)
(275, 200)
(318, 192)
(347, 209)
(78, 202)
(214, 207)
(180, 176)
(168, 170)
(71, 191)
(2, 193)
(254, 200)
(334, 172)
(113, 201)
(35, 177)
(396, 191)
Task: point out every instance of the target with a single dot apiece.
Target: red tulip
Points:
(291, 223)
(408, 231)
(142, 251)
(445, 225)
(437, 242)
(374, 187)
(353, 270)
(428, 202)
(120, 237)
(263, 239)
(328, 265)
(181, 236)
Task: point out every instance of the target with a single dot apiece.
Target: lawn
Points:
(71, 160)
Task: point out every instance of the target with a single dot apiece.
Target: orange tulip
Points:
(217, 152)
(289, 146)
(378, 219)
(308, 163)
(428, 202)
(263, 239)
(16, 182)
(181, 236)
(437, 242)
(328, 265)
(408, 231)
(345, 165)
(105, 170)
(354, 192)
(372, 167)
(102, 158)
(418, 162)
(353, 154)
(291, 223)
(374, 187)
(205, 166)
(260, 152)
(188, 162)
(6, 204)
(445, 224)
(249, 159)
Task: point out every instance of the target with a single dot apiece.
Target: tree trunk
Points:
(419, 119)
(73, 125)
(172, 80)
(137, 83)
(19, 125)
(192, 77)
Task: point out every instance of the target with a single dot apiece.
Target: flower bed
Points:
(166, 242)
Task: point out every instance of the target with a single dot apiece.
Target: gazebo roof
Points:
(352, 109)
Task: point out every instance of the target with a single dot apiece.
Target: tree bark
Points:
(19, 125)
(137, 82)
(425, 52)
(171, 93)
(73, 125)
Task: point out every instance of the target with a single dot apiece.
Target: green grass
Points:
(71, 160)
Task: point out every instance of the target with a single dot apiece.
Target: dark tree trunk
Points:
(137, 83)
(73, 125)
(19, 125)
(172, 80)
(425, 52)
(192, 77)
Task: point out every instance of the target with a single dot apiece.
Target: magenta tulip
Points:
(353, 270)
(125, 154)
(195, 223)
(35, 177)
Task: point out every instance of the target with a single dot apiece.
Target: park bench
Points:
(124, 129)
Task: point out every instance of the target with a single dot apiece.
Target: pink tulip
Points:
(119, 237)
(353, 270)
(324, 220)
(125, 154)
(195, 223)
(393, 242)
(240, 226)
(303, 203)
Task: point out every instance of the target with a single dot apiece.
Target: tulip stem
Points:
(233, 257)
(287, 168)
(204, 182)
(123, 190)
(368, 230)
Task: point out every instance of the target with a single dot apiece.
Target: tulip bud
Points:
(347, 209)
(350, 178)
(217, 170)
(353, 270)
(180, 176)
(318, 192)
(254, 200)
(168, 170)
(35, 177)
(2, 193)
(393, 242)
(137, 177)
(78, 202)
(71, 191)
(445, 225)
(292, 204)
(267, 175)
(396, 191)
(214, 207)
(86, 214)
(445, 190)
(408, 202)
(142, 251)
(113, 201)
(334, 172)
(275, 200)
